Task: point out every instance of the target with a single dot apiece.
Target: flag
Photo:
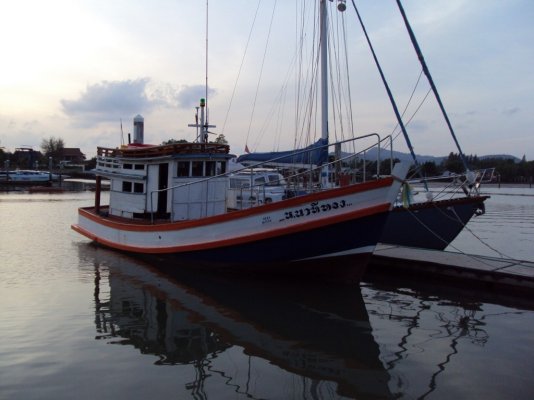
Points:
(246, 149)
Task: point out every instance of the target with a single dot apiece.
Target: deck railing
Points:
(345, 168)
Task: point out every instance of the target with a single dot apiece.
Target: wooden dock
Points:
(488, 272)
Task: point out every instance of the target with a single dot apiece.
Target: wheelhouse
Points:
(175, 182)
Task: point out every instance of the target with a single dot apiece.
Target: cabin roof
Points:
(164, 150)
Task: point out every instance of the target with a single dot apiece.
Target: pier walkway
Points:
(491, 272)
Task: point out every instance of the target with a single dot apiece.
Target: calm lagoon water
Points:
(83, 322)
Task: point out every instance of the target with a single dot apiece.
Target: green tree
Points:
(174, 141)
(429, 168)
(453, 163)
(220, 139)
(3, 157)
(53, 147)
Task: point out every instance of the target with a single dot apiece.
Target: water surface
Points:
(86, 322)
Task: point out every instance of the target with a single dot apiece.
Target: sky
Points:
(81, 70)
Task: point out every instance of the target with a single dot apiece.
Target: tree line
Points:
(27, 158)
(52, 148)
(507, 170)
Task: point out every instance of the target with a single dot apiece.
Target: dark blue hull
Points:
(432, 225)
(342, 249)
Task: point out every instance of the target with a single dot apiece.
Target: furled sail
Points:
(314, 154)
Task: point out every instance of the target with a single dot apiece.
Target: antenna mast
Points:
(206, 95)
(203, 124)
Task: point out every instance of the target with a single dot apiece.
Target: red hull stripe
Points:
(238, 240)
(172, 226)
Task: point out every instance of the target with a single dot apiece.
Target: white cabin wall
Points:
(130, 203)
(197, 200)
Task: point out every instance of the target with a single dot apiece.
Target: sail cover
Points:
(314, 154)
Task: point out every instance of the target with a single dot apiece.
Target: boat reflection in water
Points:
(320, 334)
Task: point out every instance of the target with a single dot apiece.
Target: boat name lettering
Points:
(266, 219)
(315, 208)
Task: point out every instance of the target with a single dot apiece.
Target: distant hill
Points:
(371, 155)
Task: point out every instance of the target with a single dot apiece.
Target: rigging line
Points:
(261, 72)
(503, 256)
(333, 55)
(241, 67)
(409, 100)
(305, 77)
(206, 95)
(277, 106)
(444, 241)
(299, 45)
(340, 52)
(390, 95)
(431, 81)
(349, 105)
(415, 112)
(311, 92)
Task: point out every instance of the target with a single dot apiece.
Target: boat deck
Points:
(489, 272)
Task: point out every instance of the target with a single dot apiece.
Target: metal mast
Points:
(324, 69)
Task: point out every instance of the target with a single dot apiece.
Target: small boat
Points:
(434, 223)
(26, 175)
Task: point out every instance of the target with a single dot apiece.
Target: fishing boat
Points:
(172, 200)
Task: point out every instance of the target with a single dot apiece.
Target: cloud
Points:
(189, 96)
(511, 111)
(108, 101)
(111, 100)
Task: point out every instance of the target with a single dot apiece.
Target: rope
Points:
(464, 226)
(502, 255)
(240, 68)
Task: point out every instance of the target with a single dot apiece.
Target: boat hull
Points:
(432, 225)
(344, 223)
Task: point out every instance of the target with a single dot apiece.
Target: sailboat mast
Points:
(324, 70)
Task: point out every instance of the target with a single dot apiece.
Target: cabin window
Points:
(197, 168)
(275, 180)
(210, 168)
(259, 181)
(138, 187)
(239, 183)
(126, 186)
(139, 166)
(127, 166)
(183, 168)
(221, 167)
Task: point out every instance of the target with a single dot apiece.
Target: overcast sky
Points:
(76, 69)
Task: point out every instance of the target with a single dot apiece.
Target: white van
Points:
(250, 189)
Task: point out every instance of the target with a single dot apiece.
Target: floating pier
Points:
(500, 274)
